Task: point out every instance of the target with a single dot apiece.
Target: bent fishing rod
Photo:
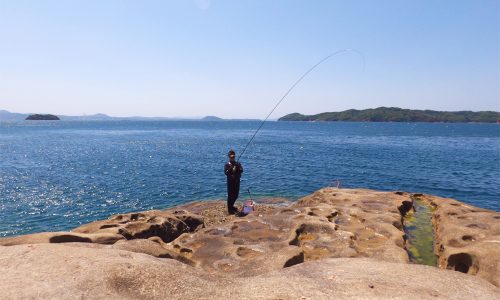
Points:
(293, 86)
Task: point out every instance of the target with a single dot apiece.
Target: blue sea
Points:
(56, 175)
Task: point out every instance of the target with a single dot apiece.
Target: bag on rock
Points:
(248, 207)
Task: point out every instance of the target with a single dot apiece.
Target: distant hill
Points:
(8, 116)
(214, 118)
(395, 114)
(96, 117)
(38, 117)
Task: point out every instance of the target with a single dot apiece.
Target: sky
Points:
(236, 59)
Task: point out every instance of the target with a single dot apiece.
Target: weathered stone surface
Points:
(342, 223)
(329, 223)
(467, 238)
(144, 246)
(372, 218)
(163, 224)
(60, 271)
(276, 239)
(62, 237)
(214, 212)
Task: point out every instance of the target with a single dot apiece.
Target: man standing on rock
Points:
(233, 170)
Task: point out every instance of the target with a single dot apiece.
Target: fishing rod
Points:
(294, 85)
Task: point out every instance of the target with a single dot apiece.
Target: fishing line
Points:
(295, 84)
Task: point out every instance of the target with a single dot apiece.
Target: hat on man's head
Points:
(231, 153)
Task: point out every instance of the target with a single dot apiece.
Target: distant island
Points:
(211, 118)
(395, 114)
(38, 117)
(10, 116)
(215, 118)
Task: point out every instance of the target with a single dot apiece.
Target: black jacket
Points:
(231, 172)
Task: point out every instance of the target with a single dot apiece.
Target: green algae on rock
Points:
(420, 233)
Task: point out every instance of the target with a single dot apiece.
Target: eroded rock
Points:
(60, 271)
(155, 223)
(372, 218)
(467, 238)
(62, 237)
(331, 223)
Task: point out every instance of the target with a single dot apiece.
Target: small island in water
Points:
(40, 117)
(395, 114)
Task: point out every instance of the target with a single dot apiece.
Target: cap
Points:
(231, 153)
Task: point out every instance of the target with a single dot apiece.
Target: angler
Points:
(233, 170)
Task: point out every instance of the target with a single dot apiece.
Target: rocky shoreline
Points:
(342, 243)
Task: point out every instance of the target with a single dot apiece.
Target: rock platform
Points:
(334, 243)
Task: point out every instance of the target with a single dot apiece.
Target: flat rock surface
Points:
(214, 212)
(62, 237)
(61, 271)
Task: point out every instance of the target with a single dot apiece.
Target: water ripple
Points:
(58, 175)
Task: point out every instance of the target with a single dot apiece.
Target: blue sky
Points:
(237, 58)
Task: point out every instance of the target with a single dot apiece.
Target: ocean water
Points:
(57, 175)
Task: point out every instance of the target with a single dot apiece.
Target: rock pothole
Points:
(462, 262)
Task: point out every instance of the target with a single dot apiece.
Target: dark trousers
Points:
(233, 190)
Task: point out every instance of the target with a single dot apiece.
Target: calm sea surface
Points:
(58, 175)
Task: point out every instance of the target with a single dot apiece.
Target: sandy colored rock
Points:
(62, 237)
(373, 218)
(94, 273)
(214, 212)
(330, 223)
(332, 230)
(161, 224)
(167, 225)
(146, 246)
(467, 238)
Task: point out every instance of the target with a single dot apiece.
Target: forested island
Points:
(395, 114)
(38, 117)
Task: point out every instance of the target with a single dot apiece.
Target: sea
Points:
(57, 175)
